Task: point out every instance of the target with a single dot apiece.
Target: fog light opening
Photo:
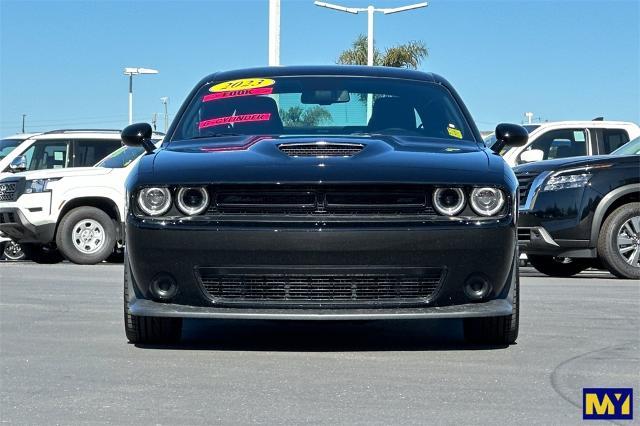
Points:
(163, 287)
(477, 287)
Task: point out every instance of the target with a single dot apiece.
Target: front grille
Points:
(394, 200)
(524, 185)
(321, 149)
(415, 285)
(7, 191)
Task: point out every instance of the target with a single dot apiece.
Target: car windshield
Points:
(8, 145)
(630, 148)
(314, 105)
(122, 156)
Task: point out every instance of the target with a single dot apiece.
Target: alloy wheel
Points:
(628, 241)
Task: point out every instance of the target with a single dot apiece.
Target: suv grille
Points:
(524, 185)
(321, 149)
(403, 200)
(7, 191)
(415, 285)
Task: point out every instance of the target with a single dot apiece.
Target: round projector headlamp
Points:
(487, 201)
(448, 201)
(192, 200)
(154, 201)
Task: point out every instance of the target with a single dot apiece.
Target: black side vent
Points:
(524, 185)
(321, 149)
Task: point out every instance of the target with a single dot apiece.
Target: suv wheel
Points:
(12, 251)
(147, 329)
(558, 266)
(86, 235)
(619, 241)
(496, 330)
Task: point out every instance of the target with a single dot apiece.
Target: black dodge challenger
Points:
(322, 193)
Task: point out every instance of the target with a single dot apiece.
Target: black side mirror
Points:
(509, 135)
(138, 134)
(18, 164)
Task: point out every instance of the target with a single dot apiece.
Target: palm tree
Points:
(299, 117)
(408, 55)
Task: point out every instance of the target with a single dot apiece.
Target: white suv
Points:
(75, 212)
(51, 150)
(562, 139)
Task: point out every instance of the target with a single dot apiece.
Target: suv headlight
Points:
(154, 201)
(39, 185)
(487, 201)
(556, 183)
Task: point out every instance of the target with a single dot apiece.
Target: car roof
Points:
(327, 70)
(585, 123)
(22, 136)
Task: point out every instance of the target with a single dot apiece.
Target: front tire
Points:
(501, 330)
(86, 235)
(619, 242)
(145, 330)
(558, 266)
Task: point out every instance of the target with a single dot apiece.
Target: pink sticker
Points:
(238, 93)
(244, 118)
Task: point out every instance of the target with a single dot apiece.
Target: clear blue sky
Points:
(61, 61)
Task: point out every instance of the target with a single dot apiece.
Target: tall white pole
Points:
(130, 98)
(370, 11)
(370, 52)
(274, 32)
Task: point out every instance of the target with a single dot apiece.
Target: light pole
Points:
(165, 102)
(274, 32)
(370, 11)
(131, 72)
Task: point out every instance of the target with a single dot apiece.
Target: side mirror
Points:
(18, 164)
(138, 134)
(532, 156)
(509, 135)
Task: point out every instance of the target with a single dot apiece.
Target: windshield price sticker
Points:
(244, 83)
(454, 132)
(244, 118)
(237, 93)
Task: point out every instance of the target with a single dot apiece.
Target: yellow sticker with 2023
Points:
(454, 132)
(242, 84)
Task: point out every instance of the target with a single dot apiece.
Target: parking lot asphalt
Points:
(65, 360)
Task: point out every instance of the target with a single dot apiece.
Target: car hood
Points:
(565, 163)
(382, 159)
(62, 173)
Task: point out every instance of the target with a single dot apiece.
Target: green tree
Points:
(408, 55)
(304, 117)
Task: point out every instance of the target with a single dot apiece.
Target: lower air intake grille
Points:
(320, 149)
(417, 285)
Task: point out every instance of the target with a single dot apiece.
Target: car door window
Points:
(47, 155)
(561, 143)
(88, 152)
(613, 139)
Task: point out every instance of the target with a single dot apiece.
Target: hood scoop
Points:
(321, 149)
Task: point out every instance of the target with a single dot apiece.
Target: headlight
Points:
(556, 183)
(192, 201)
(154, 201)
(448, 201)
(39, 185)
(487, 201)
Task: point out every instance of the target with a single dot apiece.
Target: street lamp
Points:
(370, 10)
(165, 102)
(131, 72)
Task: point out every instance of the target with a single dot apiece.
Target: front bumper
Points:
(181, 249)
(491, 308)
(15, 225)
